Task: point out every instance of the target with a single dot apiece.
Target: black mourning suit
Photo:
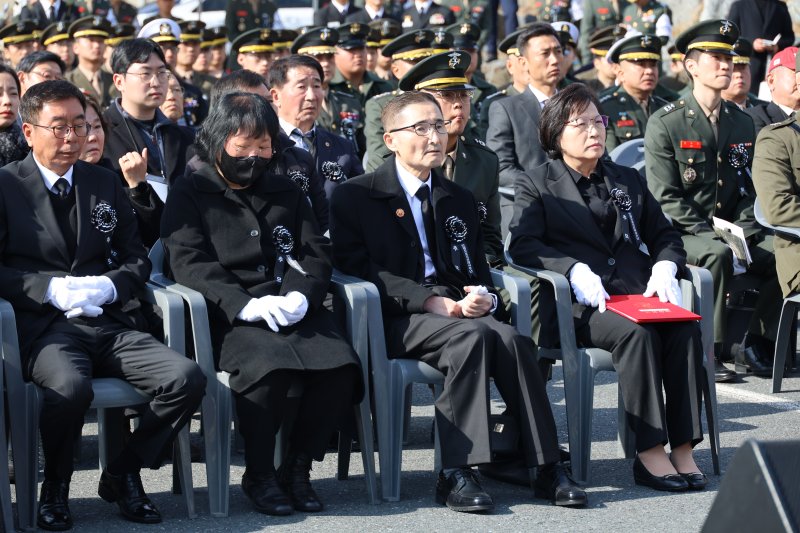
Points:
(41, 239)
(374, 237)
(557, 223)
(765, 114)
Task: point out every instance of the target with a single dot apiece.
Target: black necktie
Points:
(424, 197)
(52, 13)
(62, 186)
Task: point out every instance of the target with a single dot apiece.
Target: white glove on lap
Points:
(102, 283)
(65, 298)
(294, 306)
(588, 287)
(663, 282)
(86, 310)
(250, 312)
(271, 312)
(276, 310)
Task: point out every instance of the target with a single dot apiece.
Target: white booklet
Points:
(733, 235)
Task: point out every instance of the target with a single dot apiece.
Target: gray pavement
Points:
(746, 409)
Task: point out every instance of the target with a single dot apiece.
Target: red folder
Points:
(643, 310)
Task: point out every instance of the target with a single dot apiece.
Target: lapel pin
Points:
(327, 144)
(400, 213)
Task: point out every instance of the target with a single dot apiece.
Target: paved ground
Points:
(747, 411)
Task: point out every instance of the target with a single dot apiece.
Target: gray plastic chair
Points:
(628, 153)
(109, 393)
(787, 324)
(5, 489)
(581, 366)
(217, 412)
(392, 379)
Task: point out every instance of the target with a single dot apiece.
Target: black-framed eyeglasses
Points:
(62, 132)
(146, 77)
(600, 122)
(455, 96)
(423, 129)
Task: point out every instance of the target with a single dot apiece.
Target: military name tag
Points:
(689, 175)
(625, 123)
(691, 145)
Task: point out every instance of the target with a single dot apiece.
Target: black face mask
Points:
(242, 171)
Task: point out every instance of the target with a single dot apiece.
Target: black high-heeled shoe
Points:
(669, 483)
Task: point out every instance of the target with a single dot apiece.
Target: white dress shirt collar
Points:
(374, 14)
(540, 96)
(341, 8)
(785, 108)
(51, 177)
(425, 6)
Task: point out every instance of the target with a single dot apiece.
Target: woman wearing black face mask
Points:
(247, 240)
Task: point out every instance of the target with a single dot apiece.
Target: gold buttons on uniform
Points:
(691, 160)
(628, 134)
(719, 182)
(719, 205)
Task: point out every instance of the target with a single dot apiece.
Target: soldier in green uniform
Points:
(597, 14)
(246, 15)
(477, 12)
(519, 78)
(119, 33)
(629, 107)
(351, 64)
(468, 162)
(203, 79)
(405, 51)
(55, 38)
(738, 92)
(648, 16)
(465, 39)
(698, 151)
(550, 10)
(254, 50)
(90, 34)
(603, 74)
(676, 78)
(381, 33)
(188, 49)
(215, 40)
(341, 113)
(776, 172)
(18, 40)
(283, 42)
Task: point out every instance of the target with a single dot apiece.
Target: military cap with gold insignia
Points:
(95, 26)
(58, 31)
(121, 32)
(161, 31)
(214, 37)
(316, 42)
(254, 41)
(672, 52)
(20, 32)
(284, 38)
(191, 31)
(382, 31)
(716, 36)
(635, 48)
(440, 72)
(353, 35)
(601, 40)
(465, 35)
(743, 48)
(442, 41)
(409, 46)
(568, 33)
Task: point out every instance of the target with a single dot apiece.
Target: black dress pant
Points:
(469, 352)
(327, 399)
(646, 356)
(70, 353)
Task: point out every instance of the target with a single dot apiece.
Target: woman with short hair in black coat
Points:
(247, 240)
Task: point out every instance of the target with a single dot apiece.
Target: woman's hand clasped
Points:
(276, 311)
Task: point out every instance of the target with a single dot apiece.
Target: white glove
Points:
(250, 312)
(102, 283)
(294, 305)
(86, 310)
(663, 282)
(64, 298)
(588, 287)
(271, 312)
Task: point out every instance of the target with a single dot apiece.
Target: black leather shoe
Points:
(722, 374)
(461, 491)
(514, 472)
(669, 483)
(695, 480)
(266, 494)
(554, 483)
(54, 512)
(755, 356)
(295, 478)
(127, 491)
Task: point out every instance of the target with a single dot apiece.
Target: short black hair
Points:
(240, 80)
(397, 104)
(536, 30)
(8, 70)
(30, 61)
(43, 93)
(133, 51)
(694, 55)
(576, 97)
(235, 112)
(279, 70)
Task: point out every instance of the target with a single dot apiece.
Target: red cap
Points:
(784, 58)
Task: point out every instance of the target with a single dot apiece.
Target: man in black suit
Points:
(46, 12)
(334, 13)
(417, 237)
(373, 10)
(761, 21)
(296, 87)
(784, 90)
(73, 267)
(426, 14)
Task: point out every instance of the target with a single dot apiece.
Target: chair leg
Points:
(345, 448)
(182, 465)
(5, 489)
(391, 404)
(217, 417)
(712, 420)
(579, 399)
(364, 429)
(25, 450)
(786, 328)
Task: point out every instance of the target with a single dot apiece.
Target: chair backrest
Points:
(761, 218)
(628, 153)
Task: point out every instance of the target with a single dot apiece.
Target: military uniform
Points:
(626, 118)
(696, 176)
(240, 17)
(776, 171)
(124, 13)
(551, 10)
(644, 19)
(597, 14)
(92, 27)
(354, 36)
(477, 12)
